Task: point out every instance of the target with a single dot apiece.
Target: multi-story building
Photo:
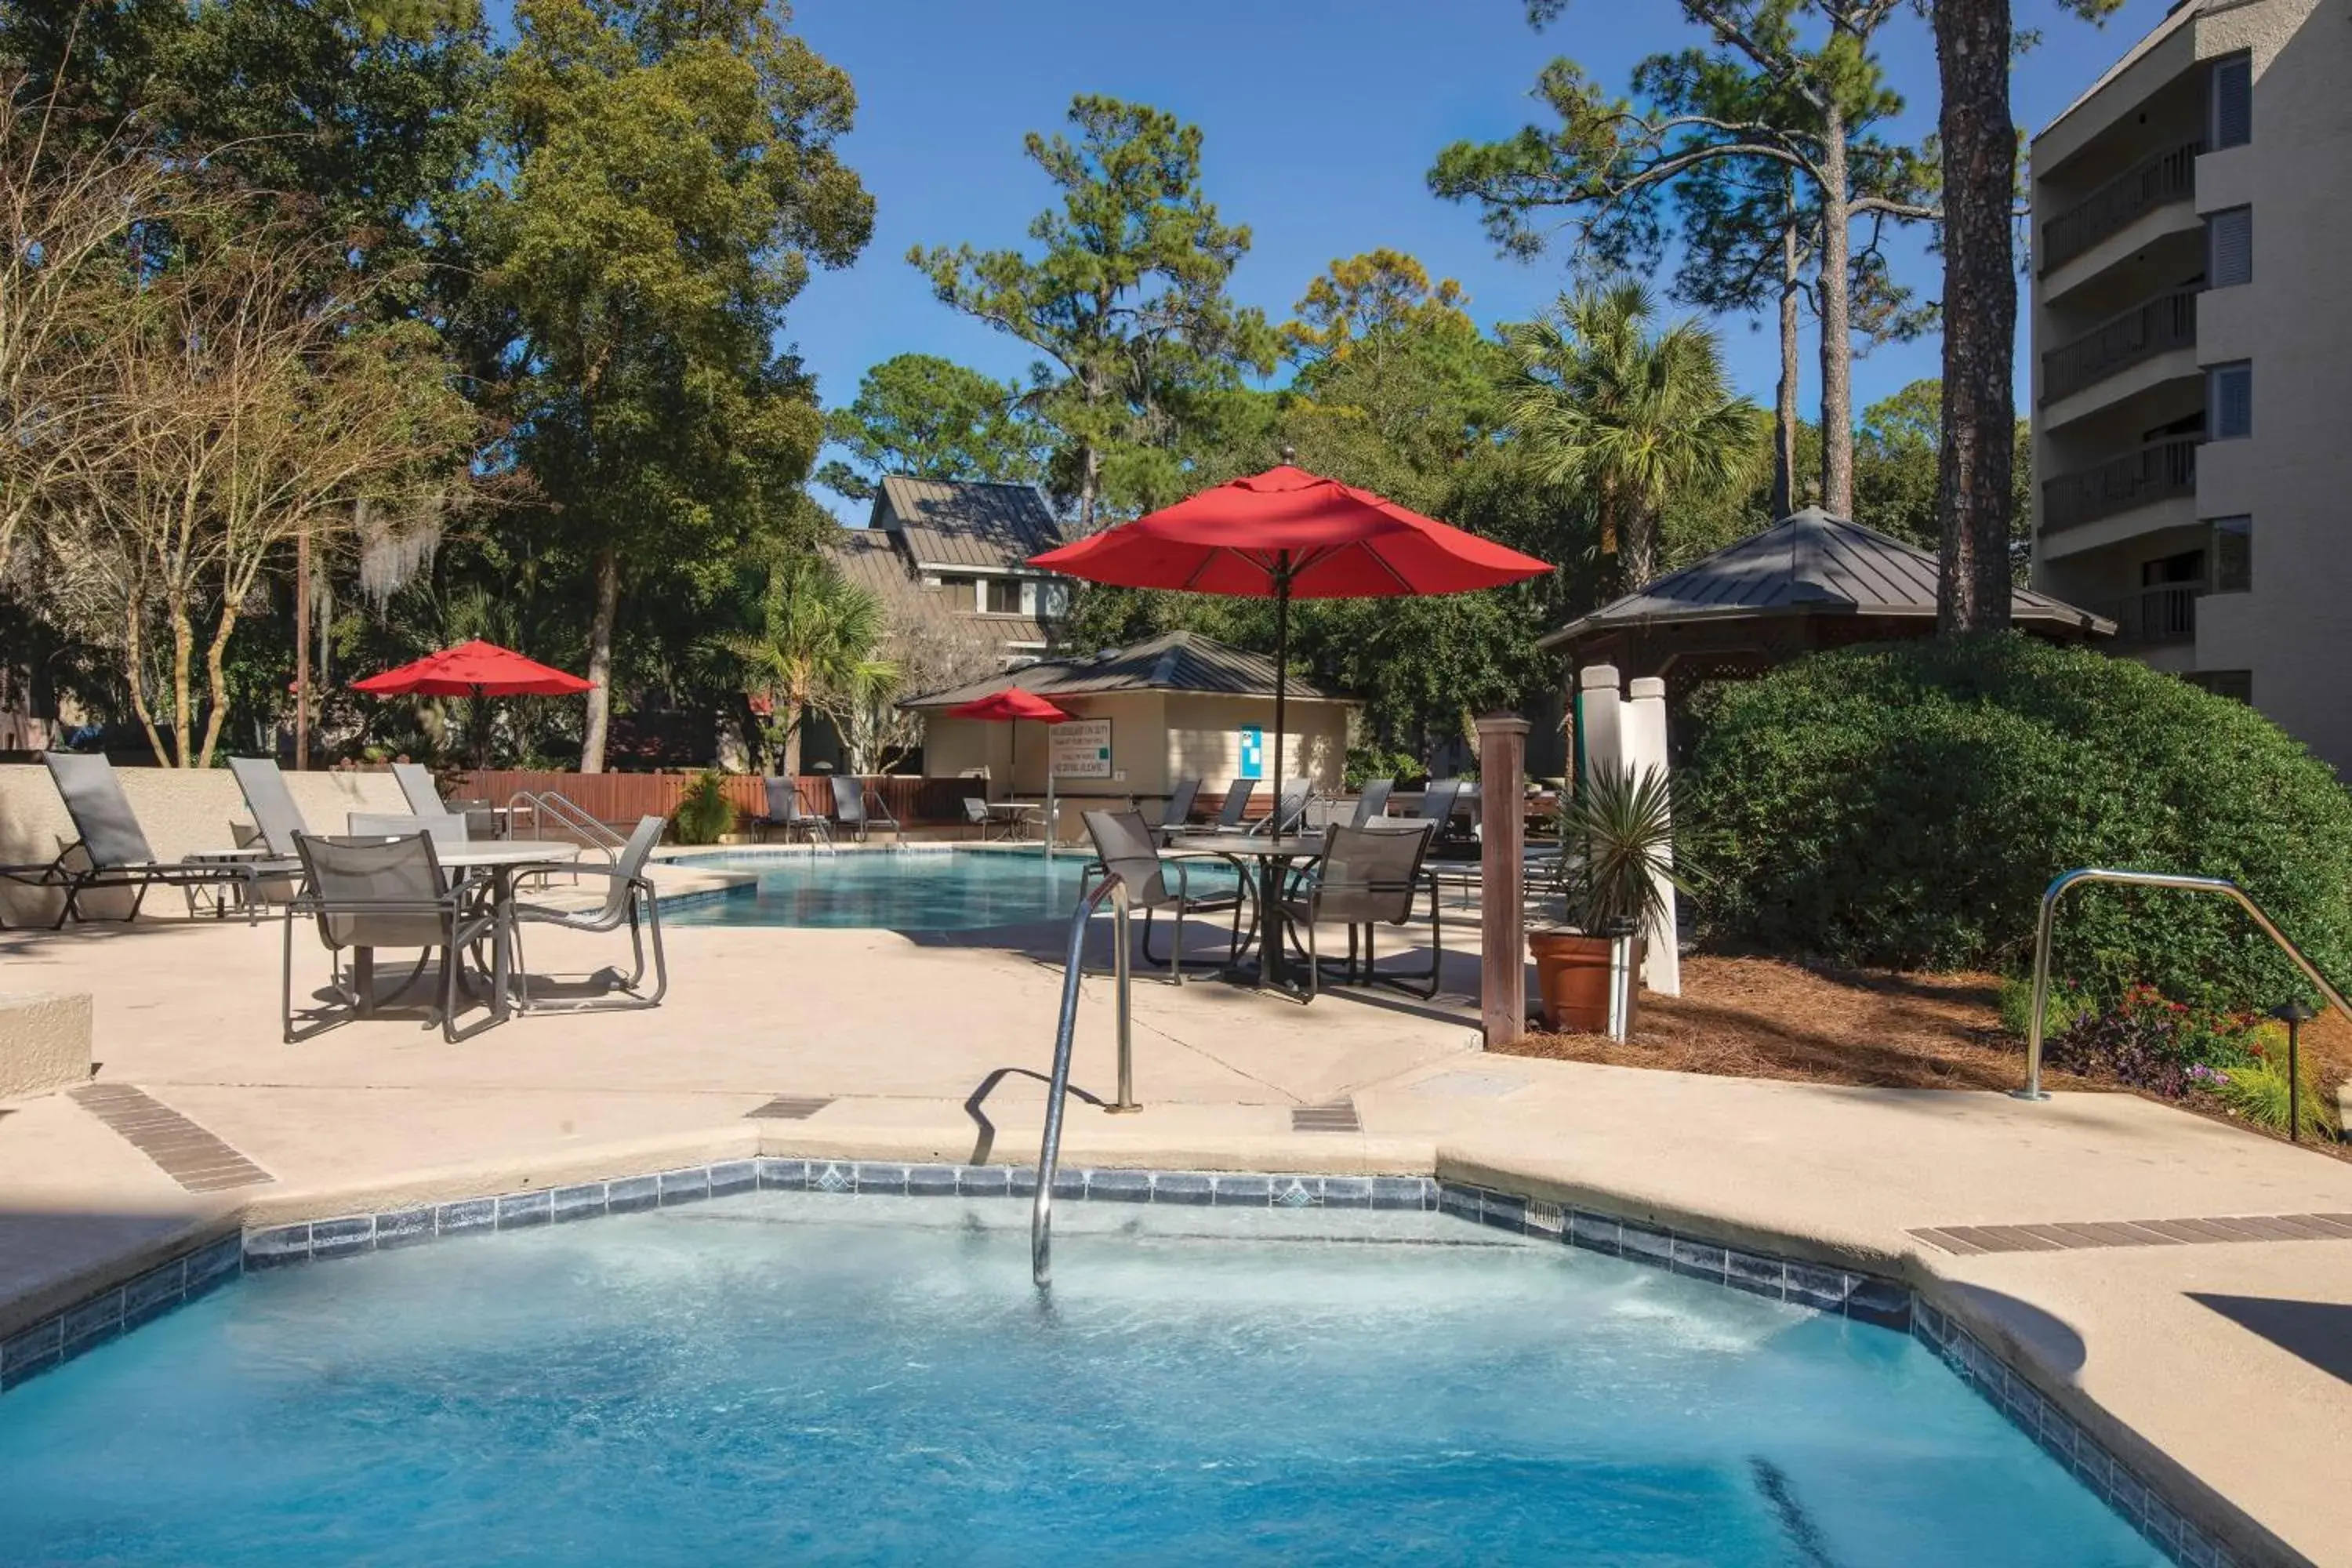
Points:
(951, 558)
(2192, 355)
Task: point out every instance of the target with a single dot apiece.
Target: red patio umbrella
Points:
(475, 668)
(1289, 534)
(1010, 706)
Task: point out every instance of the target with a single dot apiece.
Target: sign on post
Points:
(1081, 749)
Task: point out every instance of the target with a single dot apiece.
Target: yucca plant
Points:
(1616, 844)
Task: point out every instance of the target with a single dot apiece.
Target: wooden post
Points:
(1502, 909)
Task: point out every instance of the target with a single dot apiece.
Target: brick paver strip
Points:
(188, 1154)
(2066, 1236)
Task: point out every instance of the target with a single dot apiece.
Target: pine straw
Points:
(1761, 1017)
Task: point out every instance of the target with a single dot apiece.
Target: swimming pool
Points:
(914, 889)
(799, 1377)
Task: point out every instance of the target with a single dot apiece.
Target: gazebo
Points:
(1811, 581)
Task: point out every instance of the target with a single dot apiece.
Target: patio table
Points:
(1276, 857)
(1012, 818)
(503, 859)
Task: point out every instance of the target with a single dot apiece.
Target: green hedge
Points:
(1905, 804)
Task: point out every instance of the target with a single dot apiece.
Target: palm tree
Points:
(1630, 420)
(816, 642)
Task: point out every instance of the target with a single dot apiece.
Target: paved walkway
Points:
(2227, 1358)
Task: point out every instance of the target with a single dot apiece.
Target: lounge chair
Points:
(851, 811)
(785, 814)
(417, 786)
(1125, 845)
(370, 893)
(1178, 813)
(1366, 875)
(271, 802)
(975, 815)
(630, 900)
(1288, 815)
(1237, 807)
(111, 850)
(1373, 803)
(444, 827)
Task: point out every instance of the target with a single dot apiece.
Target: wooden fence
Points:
(621, 798)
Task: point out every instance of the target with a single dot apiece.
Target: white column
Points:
(1599, 710)
(1643, 732)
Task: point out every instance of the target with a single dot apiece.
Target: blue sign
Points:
(1253, 751)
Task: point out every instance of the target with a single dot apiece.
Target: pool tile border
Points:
(1869, 1298)
(1864, 1298)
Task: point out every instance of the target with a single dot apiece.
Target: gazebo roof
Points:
(1172, 661)
(1809, 564)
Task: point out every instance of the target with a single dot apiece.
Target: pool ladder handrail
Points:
(2064, 880)
(1113, 887)
(567, 814)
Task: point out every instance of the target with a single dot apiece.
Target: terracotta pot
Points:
(1572, 981)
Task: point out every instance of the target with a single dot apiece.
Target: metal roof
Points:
(1809, 564)
(1172, 661)
(871, 559)
(952, 522)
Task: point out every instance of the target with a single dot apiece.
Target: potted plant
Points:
(1616, 864)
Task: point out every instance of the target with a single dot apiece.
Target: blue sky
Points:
(1320, 118)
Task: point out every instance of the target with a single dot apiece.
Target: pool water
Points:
(921, 890)
(803, 1378)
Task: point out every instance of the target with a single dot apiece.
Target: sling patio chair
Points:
(1237, 807)
(785, 814)
(1178, 813)
(111, 850)
(370, 893)
(271, 802)
(629, 901)
(975, 815)
(417, 787)
(1126, 847)
(1367, 876)
(1288, 814)
(851, 811)
(1373, 803)
(444, 827)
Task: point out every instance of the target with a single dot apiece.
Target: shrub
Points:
(704, 813)
(2145, 1041)
(1905, 804)
(2064, 1008)
(2258, 1091)
(1366, 763)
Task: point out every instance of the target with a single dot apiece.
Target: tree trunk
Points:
(1975, 467)
(1089, 483)
(134, 661)
(1784, 397)
(795, 714)
(1837, 340)
(183, 649)
(1640, 560)
(600, 661)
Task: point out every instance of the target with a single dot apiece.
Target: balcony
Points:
(2167, 176)
(2154, 473)
(2156, 617)
(2150, 328)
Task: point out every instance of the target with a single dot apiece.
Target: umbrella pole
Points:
(1052, 823)
(1281, 671)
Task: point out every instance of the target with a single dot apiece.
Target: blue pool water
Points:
(796, 1378)
(921, 890)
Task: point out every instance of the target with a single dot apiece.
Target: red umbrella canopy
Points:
(475, 669)
(1005, 707)
(1330, 540)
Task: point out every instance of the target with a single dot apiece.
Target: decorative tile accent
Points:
(790, 1107)
(1336, 1116)
(1964, 1239)
(188, 1154)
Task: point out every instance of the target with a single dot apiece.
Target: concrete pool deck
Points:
(2227, 1360)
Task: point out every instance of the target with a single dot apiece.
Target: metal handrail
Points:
(2057, 888)
(569, 815)
(1049, 1152)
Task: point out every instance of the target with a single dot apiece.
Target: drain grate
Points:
(183, 1151)
(1337, 1116)
(2067, 1236)
(789, 1107)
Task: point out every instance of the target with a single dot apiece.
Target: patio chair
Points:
(1178, 813)
(271, 802)
(629, 901)
(1438, 799)
(1288, 813)
(1238, 799)
(1373, 803)
(850, 810)
(1126, 846)
(370, 893)
(111, 850)
(975, 815)
(785, 813)
(444, 827)
(417, 787)
(1366, 875)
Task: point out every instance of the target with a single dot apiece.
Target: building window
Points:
(2233, 555)
(2238, 685)
(1004, 596)
(2231, 91)
(2229, 248)
(2230, 401)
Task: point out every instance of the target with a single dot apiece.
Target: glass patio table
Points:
(1274, 857)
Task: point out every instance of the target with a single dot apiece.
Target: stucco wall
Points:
(181, 811)
(1204, 738)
